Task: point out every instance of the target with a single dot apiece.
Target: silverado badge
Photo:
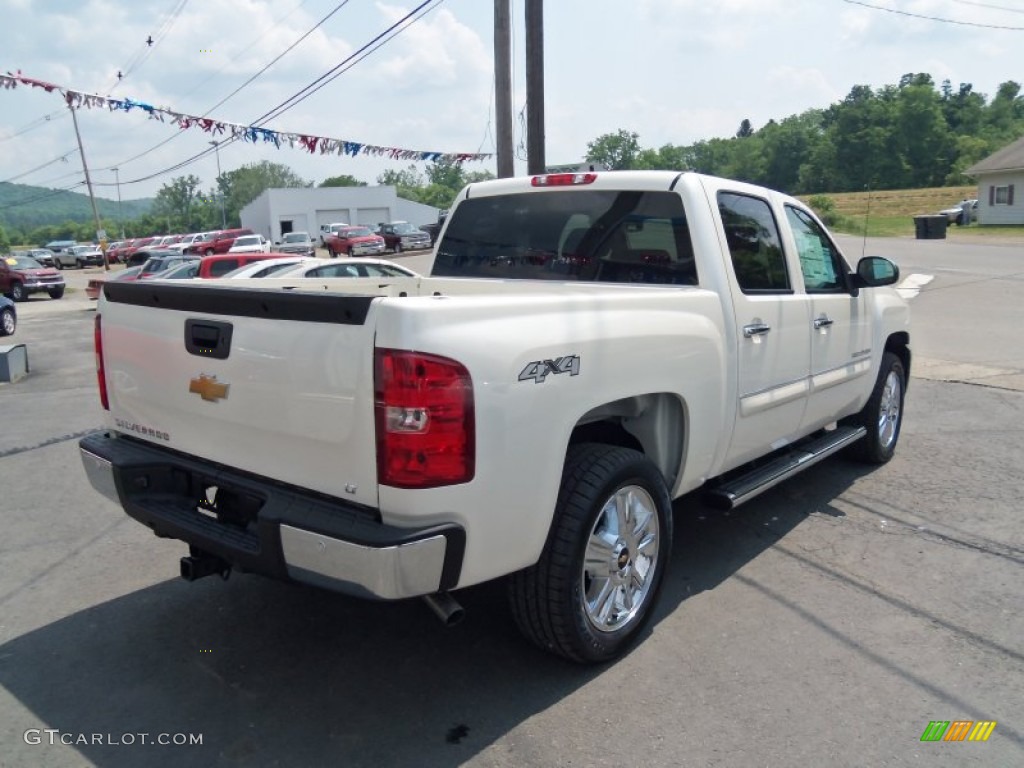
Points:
(208, 388)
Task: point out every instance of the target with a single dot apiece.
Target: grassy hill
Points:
(26, 206)
(890, 213)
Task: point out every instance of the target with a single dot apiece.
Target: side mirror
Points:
(875, 271)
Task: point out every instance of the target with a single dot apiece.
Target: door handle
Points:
(823, 322)
(755, 329)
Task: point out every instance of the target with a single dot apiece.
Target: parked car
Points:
(321, 268)
(56, 246)
(188, 240)
(354, 241)
(95, 284)
(218, 242)
(267, 267)
(250, 244)
(142, 255)
(8, 317)
(21, 276)
(186, 270)
(955, 213)
(142, 242)
(80, 256)
(43, 255)
(330, 229)
(219, 265)
(402, 236)
(159, 263)
(296, 242)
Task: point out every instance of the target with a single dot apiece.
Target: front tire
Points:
(598, 577)
(882, 416)
(398, 247)
(18, 291)
(58, 264)
(8, 323)
(56, 293)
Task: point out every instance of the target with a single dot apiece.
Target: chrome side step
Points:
(755, 482)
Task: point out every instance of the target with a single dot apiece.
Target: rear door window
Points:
(754, 243)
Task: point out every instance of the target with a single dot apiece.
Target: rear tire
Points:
(8, 323)
(882, 416)
(597, 579)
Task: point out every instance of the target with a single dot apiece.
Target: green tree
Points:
(243, 185)
(174, 201)
(342, 181)
(5, 243)
(617, 151)
(745, 131)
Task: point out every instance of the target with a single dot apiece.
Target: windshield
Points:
(296, 237)
(356, 232)
(405, 228)
(575, 234)
(24, 262)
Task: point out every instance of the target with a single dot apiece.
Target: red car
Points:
(217, 242)
(21, 276)
(354, 241)
(92, 290)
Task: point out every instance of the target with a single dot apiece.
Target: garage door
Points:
(331, 216)
(371, 217)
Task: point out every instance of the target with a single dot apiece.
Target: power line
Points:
(171, 138)
(988, 5)
(935, 18)
(63, 157)
(145, 50)
(302, 94)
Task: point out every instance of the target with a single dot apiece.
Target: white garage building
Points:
(305, 209)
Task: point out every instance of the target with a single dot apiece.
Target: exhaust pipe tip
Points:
(446, 608)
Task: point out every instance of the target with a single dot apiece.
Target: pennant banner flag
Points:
(325, 145)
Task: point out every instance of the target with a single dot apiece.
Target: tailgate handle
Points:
(208, 338)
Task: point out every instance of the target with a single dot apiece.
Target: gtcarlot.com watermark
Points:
(54, 736)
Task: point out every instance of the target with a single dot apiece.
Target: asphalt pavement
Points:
(827, 622)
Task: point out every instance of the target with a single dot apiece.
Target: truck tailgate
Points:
(277, 383)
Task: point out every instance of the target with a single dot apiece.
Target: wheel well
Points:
(899, 345)
(654, 424)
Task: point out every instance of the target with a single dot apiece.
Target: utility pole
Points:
(120, 216)
(503, 87)
(535, 162)
(88, 183)
(220, 192)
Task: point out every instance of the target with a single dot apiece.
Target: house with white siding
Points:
(1000, 178)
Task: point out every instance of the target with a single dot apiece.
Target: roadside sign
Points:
(101, 234)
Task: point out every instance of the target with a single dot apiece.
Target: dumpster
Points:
(930, 227)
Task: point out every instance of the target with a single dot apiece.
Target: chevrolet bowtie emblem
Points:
(208, 388)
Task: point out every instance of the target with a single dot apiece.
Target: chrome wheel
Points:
(621, 556)
(889, 410)
(7, 322)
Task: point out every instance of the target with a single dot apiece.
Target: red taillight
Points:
(101, 376)
(563, 179)
(426, 434)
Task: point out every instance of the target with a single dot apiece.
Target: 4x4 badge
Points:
(538, 370)
(208, 388)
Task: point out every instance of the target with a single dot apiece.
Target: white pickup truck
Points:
(588, 348)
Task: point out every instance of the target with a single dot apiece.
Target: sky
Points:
(672, 71)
